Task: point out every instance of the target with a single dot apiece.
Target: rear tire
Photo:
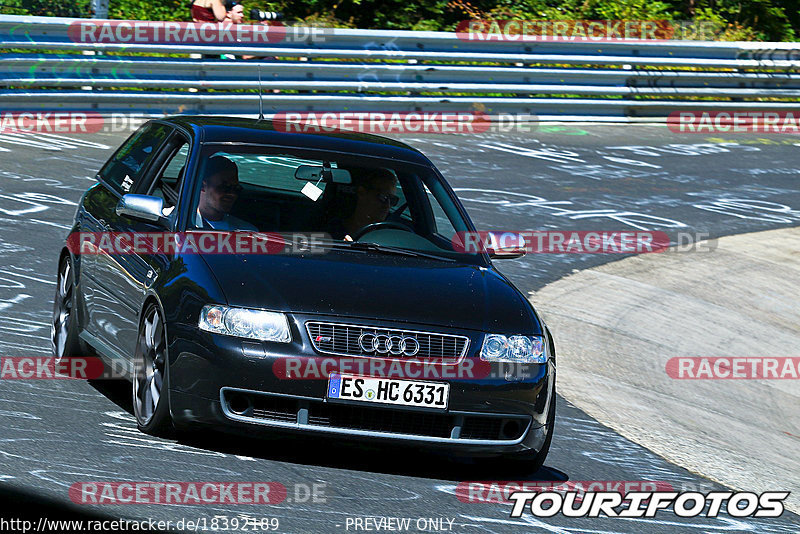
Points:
(150, 375)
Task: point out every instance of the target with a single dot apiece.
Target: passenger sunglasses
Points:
(229, 188)
(392, 200)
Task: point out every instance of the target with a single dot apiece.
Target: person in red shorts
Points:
(208, 11)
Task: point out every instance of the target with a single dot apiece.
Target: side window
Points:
(166, 184)
(173, 172)
(442, 223)
(125, 167)
(395, 213)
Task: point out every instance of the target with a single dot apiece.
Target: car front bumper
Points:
(239, 385)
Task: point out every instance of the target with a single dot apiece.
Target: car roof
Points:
(216, 129)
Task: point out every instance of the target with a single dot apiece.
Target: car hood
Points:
(376, 286)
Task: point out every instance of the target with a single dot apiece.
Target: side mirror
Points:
(142, 207)
(505, 245)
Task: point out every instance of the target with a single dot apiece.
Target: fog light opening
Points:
(239, 404)
(510, 429)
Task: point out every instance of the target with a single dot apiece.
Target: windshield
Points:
(349, 198)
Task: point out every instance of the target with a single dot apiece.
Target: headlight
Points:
(242, 322)
(518, 349)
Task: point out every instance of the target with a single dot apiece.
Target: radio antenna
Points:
(260, 96)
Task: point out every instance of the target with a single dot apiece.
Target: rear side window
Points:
(125, 167)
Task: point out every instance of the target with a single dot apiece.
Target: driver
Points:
(375, 195)
(219, 193)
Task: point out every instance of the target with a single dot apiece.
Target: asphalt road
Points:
(56, 433)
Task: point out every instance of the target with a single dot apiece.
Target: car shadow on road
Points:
(117, 391)
(367, 457)
(335, 452)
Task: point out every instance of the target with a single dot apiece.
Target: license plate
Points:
(388, 391)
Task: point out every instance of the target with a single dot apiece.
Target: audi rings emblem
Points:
(386, 344)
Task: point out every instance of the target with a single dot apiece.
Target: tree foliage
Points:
(46, 8)
(774, 20)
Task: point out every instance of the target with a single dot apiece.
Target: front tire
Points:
(64, 326)
(150, 377)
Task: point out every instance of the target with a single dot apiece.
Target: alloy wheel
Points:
(62, 312)
(149, 366)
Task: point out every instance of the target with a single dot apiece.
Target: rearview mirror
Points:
(142, 207)
(315, 173)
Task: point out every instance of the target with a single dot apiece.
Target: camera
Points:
(260, 15)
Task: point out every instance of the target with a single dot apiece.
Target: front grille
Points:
(274, 408)
(481, 427)
(280, 409)
(343, 340)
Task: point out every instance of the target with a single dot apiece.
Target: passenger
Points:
(219, 193)
(374, 196)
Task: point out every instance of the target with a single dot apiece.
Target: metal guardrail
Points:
(359, 70)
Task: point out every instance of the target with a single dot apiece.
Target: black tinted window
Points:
(264, 188)
(167, 184)
(125, 167)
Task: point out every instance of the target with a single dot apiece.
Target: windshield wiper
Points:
(374, 247)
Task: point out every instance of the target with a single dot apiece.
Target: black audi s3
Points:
(261, 281)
